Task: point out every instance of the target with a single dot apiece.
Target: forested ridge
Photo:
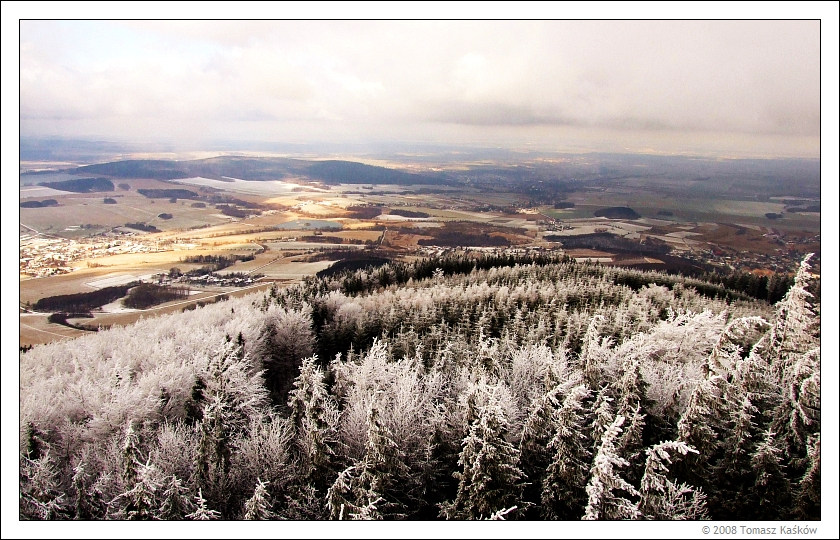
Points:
(456, 388)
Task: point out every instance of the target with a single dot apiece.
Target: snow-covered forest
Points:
(442, 389)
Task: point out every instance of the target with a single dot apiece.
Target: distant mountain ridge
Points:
(258, 169)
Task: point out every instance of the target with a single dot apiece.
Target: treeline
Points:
(140, 226)
(617, 212)
(83, 302)
(147, 295)
(611, 242)
(174, 193)
(454, 388)
(351, 265)
(771, 288)
(61, 318)
(408, 213)
(214, 263)
(364, 211)
(453, 237)
(81, 185)
(232, 211)
(39, 204)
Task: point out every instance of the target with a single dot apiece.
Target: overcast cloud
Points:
(731, 87)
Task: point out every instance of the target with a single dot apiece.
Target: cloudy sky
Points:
(709, 87)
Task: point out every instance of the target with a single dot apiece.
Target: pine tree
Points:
(808, 498)
(564, 485)
(490, 479)
(792, 331)
(607, 491)
(375, 487)
(314, 417)
(286, 339)
(701, 426)
(89, 503)
(384, 469)
(140, 502)
(734, 472)
(662, 498)
(131, 456)
(258, 506)
(41, 497)
(798, 415)
(175, 503)
(735, 342)
(630, 443)
(234, 397)
(602, 416)
(537, 433)
(202, 513)
(594, 353)
(348, 498)
(772, 489)
(212, 461)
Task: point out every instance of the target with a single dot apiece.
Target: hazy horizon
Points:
(723, 88)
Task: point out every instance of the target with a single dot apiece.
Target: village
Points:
(42, 256)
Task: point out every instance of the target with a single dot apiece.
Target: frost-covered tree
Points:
(258, 507)
(490, 479)
(808, 497)
(792, 331)
(602, 415)
(286, 339)
(141, 500)
(379, 482)
(734, 470)
(662, 498)
(608, 492)
(89, 501)
(735, 342)
(537, 432)
(594, 353)
(202, 513)
(798, 415)
(234, 398)
(131, 460)
(175, 501)
(772, 490)
(41, 496)
(350, 499)
(564, 485)
(701, 426)
(314, 419)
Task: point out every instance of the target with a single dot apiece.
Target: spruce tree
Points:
(314, 417)
(258, 507)
(607, 491)
(41, 496)
(662, 498)
(175, 502)
(141, 501)
(202, 513)
(564, 486)
(490, 479)
(772, 489)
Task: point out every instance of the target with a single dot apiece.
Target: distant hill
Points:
(225, 168)
(136, 168)
(617, 212)
(349, 172)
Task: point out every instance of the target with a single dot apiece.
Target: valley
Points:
(144, 220)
